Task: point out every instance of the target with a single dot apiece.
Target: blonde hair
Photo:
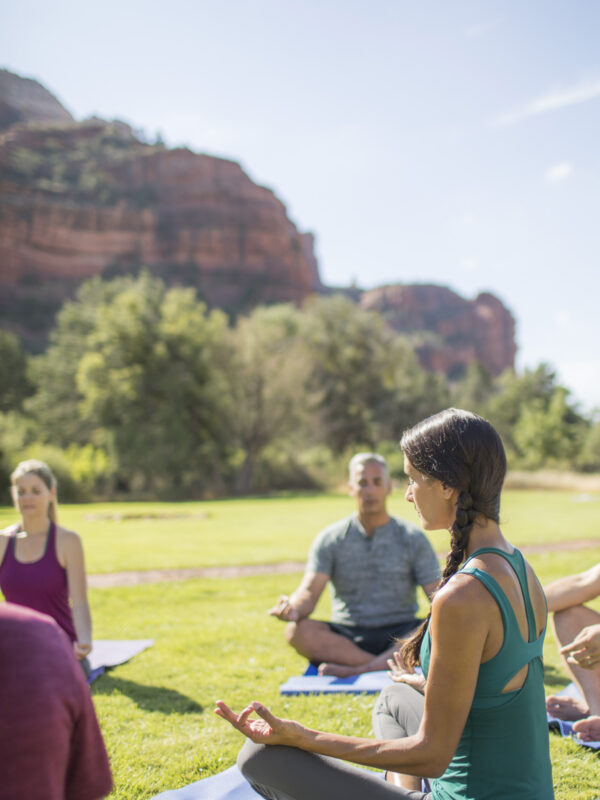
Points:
(34, 467)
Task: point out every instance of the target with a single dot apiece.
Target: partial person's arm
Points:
(459, 637)
(303, 600)
(72, 555)
(430, 589)
(573, 590)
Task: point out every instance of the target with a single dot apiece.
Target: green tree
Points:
(55, 403)
(474, 390)
(365, 381)
(266, 385)
(549, 433)
(14, 383)
(152, 376)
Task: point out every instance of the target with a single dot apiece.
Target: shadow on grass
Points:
(150, 698)
(555, 676)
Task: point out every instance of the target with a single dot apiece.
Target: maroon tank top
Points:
(41, 585)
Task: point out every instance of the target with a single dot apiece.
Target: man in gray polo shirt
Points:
(374, 563)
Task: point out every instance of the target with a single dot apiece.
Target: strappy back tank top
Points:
(40, 585)
(504, 750)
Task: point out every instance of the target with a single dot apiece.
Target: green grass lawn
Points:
(134, 536)
(213, 639)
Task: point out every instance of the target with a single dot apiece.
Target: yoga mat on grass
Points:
(228, 785)
(107, 653)
(310, 683)
(566, 728)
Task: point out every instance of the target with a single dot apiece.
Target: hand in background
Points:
(584, 650)
(283, 610)
(399, 673)
(81, 650)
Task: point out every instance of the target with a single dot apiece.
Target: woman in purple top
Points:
(41, 563)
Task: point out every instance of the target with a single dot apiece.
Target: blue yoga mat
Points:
(566, 728)
(228, 785)
(311, 683)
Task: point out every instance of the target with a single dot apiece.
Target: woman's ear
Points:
(450, 493)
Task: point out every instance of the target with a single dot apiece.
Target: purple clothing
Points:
(40, 585)
(52, 748)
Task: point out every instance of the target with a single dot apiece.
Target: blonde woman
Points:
(41, 563)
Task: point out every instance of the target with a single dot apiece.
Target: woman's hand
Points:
(269, 729)
(399, 673)
(584, 650)
(81, 649)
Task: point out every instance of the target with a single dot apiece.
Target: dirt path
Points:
(133, 578)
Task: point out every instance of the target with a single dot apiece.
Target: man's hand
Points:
(284, 610)
(269, 729)
(400, 674)
(584, 650)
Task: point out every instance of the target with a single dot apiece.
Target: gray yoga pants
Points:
(398, 712)
(286, 773)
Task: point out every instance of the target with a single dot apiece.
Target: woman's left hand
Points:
(269, 729)
(81, 650)
(400, 674)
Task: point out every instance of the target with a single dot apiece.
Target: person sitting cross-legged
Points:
(374, 563)
(577, 632)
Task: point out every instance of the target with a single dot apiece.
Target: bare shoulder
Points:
(462, 608)
(460, 595)
(66, 539)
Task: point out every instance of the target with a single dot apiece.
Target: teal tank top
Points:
(504, 751)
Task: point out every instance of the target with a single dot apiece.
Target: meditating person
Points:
(374, 563)
(577, 632)
(41, 563)
(483, 732)
(51, 745)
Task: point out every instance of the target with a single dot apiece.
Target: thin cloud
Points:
(480, 29)
(558, 172)
(554, 100)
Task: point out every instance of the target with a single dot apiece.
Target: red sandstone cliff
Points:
(449, 332)
(77, 200)
(91, 198)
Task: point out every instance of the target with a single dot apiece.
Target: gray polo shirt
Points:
(373, 580)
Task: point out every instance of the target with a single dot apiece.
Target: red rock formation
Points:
(79, 199)
(26, 100)
(448, 331)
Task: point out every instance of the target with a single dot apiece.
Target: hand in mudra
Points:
(267, 729)
(401, 674)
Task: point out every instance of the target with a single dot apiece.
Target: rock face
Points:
(449, 332)
(91, 198)
(78, 200)
(26, 100)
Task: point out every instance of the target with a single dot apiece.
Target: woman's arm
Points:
(573, 590)
(458, 639)
(73, 562)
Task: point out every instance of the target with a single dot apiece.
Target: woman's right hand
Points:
(269, 729)
(400, 674)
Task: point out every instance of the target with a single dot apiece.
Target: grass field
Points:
(214, 640)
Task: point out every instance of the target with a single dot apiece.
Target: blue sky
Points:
(438, 142)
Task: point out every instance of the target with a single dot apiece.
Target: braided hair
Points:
(463, 451)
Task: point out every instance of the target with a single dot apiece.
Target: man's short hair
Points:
(366, 458)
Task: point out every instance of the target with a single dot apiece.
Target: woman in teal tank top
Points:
(482, 733)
